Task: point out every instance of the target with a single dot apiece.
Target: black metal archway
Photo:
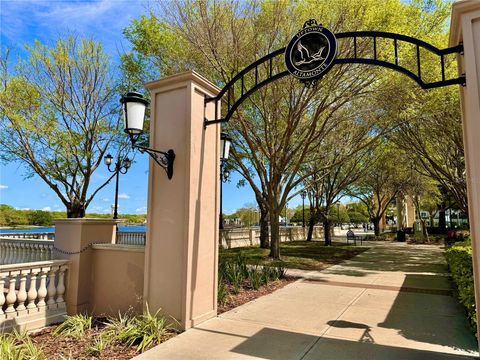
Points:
(244, 88)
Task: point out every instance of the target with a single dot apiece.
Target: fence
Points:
(20, 250)
(131, 237)
(232, 238)
(32, 294)
(14, 251)
(29, 235)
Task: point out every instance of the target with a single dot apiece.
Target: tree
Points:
(432, 133)
(277, 130)
(357, 212)
(388, 175)
(59, 114)
(39, 217)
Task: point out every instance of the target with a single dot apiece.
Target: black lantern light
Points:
(225, 143)
(134, 107)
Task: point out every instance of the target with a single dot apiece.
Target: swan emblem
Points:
(306, 58)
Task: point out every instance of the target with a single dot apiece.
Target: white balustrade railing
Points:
(29, 235)
(14, 251)
(32, 290)
(131, 237)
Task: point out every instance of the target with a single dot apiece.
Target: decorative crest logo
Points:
(311, 52)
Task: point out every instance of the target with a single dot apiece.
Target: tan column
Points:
(182, 237)
(72, 241)
(465, 27)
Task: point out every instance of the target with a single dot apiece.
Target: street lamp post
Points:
(303, 195)
(338, 214)
(121, 167)
(286, 207)
(225, 143)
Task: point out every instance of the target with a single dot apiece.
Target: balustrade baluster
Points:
(52, 290)
(11, 296)
(2, 295)
(42, 289)
(61, 284)
(32, 290)
(22, 293)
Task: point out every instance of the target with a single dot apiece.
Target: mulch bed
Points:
(62, 347)
(247, 294)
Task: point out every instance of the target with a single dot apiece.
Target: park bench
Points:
(351, 236)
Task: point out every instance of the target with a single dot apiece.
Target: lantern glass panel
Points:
(135, 116)
(108, 159)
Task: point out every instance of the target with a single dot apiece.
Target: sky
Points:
(23, 21)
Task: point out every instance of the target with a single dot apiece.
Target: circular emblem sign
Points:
(311, 52)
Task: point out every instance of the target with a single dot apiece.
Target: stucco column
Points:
(72, 241)
(465, 27)
(182, 222)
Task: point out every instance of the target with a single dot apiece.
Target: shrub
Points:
(19, 346)
(143, 331)
(255, 277)
(222, 290)
(459, 259)
(74, 326)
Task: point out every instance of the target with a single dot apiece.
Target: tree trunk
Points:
(264, 241)
(326, 232)
(376, 226)
(76, 210)
(311, 224)
(274, 235)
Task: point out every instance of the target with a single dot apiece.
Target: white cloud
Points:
(3, 186)
(106, 199)
(123, 196)
(141, 210)
(47, 208)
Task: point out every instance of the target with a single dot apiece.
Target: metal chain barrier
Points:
(77, 252)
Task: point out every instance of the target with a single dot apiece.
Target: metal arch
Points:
(228, 90)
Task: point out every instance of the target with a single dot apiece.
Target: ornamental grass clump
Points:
(141, 331)
(74, 326)
(19, 346)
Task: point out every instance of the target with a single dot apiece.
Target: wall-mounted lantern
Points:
(134, 106)
(225, 143)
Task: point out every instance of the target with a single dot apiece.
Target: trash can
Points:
(401, 236)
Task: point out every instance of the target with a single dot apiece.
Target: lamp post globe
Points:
(108, 159)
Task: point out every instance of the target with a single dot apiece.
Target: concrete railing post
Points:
(72, 242)
(182, 238)
(465, 27)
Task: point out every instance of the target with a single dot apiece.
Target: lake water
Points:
(138, 228)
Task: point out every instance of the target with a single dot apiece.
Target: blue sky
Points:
(23, 21)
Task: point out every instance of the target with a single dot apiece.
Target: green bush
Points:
(74, 326)
(19, 346)
(459, 259)
(141, 331)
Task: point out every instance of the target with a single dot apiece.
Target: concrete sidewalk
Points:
(391, 302)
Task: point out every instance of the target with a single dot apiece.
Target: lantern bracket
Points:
(162, 158)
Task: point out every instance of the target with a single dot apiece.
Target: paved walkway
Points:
(391, 302)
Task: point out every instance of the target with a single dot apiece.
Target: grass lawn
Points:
(306, 255)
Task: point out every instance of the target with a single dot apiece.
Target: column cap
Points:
(190, 75)
(96, 221)
(458, 9)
